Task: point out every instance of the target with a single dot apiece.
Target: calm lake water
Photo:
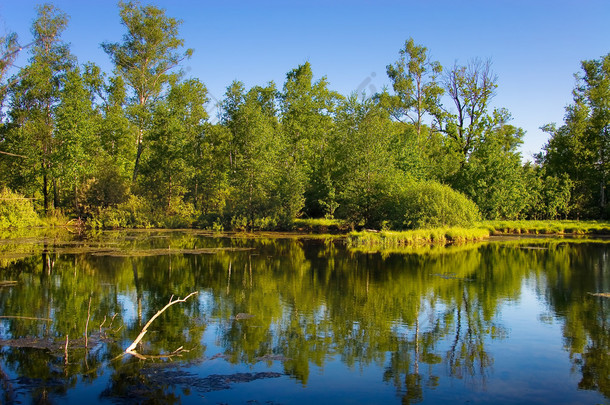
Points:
(286, 320)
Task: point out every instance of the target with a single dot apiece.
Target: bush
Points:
(16, 211)
(108, 189)
(133, 213)
(180, 215)
(433, 205)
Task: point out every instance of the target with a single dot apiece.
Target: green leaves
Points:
(149, 50)
(145, 59)
(580, 148)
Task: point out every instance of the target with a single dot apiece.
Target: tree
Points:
(594, 90)
(580, 148)
(255, 151)
(365, 175)
(34, 101)
(471, 89)
(170, 166)
(493, 175)
(145, 60)
(77, 148)
(414, 80)
(9, 49)
(307, 110)
(115, 131)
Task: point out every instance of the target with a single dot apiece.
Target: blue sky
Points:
(536, 46)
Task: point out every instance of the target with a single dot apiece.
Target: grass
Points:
(481, 231)
(320, 225)
(417, 237)
(547, 227)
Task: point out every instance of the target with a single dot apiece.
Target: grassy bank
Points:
(547, 227)
(417, 237)
(320, 225)
(481, 231)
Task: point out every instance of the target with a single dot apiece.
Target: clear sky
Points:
(535, 45)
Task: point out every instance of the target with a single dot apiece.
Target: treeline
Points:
(135, 147)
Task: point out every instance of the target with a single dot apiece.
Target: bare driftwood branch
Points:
(178, 352)
(602, 294)
(8, 283)
(87, 324)
(172, 301)
(66, 351)
(13, 154)
(29, 318)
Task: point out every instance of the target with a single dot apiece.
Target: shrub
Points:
(133, 213)
(16, 211)
(433, 205)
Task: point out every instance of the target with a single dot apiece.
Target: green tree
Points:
(210, 183)
(580, 148)
(34, 101)
(493, 175)
(307, 110)
(76, 140)
(365, 173)
(170, 166)
(9, 49)
(414, 80)
(116, 133)
(145, 59)
(254, 153)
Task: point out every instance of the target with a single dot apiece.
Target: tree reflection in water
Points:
(422, 317)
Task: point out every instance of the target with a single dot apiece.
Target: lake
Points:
(282, 320)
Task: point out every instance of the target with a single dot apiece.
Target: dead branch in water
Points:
(172, 301)
(29, 318)
(175, 353)
(7, 283)
(602, 294)
(87, 324)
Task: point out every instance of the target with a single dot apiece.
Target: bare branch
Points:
(29, 318)
(13, 154)
(172, 301)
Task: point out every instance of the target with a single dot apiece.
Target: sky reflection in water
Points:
(289, 321)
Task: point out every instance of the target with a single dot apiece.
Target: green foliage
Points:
(145, 60)
(307, 110)
(414, 80)
(169, 166)
(133, 213)
(548, 197)
(261, 182)
(34, 100)
(108, 188)
(16, 211)
(580, 148)
(493, 175)
(430, 205)
(135, 148)
(366, 179)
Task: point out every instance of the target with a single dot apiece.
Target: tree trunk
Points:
(135, 167)
(45, 192)
(55, 195)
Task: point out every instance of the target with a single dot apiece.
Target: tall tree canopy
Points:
(580, 148)
(34, 101)
(146, 60)
(134, 147)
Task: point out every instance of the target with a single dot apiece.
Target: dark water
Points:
(279, 321)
